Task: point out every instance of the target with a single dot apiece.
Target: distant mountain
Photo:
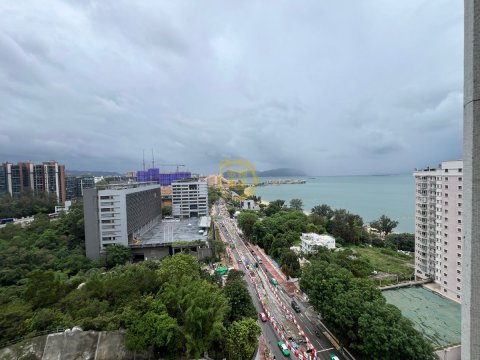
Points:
(272, 172)
(92, 173)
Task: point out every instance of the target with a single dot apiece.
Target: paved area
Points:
(437, 317)
(178, 230)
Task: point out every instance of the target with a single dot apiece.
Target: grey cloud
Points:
(329, 87)
(15, 63)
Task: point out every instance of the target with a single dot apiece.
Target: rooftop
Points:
(174, 230)
(122, 186)
(186, 180)
(438, 318)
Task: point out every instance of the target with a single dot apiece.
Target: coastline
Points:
(368, 196)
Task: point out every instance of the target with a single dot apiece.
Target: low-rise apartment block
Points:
(189, 198)
(438, 226)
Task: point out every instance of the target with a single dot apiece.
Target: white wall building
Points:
(249, 205)
(438, 226)
(189, 198)
(119, 215)
(310, 240)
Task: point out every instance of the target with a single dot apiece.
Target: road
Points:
(276, 300)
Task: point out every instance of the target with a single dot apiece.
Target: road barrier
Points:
(302, 355)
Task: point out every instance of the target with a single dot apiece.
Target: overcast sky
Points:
(329, 87)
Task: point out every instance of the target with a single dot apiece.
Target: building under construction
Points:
(161, 178)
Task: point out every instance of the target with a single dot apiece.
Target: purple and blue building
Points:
(163, 179)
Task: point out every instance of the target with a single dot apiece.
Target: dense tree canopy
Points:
(174, 307)
(246, 220)
(27, 204)
(57, 245)
(404, 241)
(117, 255)
(384, 224)
(356, 309)
(242, 340)
(239, 299)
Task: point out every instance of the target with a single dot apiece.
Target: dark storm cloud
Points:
(328, 87)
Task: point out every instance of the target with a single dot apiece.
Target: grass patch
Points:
(388, 261)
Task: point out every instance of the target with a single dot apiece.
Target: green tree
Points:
(231, 211)
(239, 299)
(44, 288)
(214, 195)
(219, 248)
(274, 207)
(355, 308)
(404, 241)
(234, 275)
(386, 334)
(166, 211)
(13, 316)
(384, 224)
(117, 255)
(178, 266)
(277, 246)
(290, 264)
(246, 220)
(242, 339)
(296, 204)
(346, 226)
(200, 309)
(152, 328)
(27, 204)
(323, 211)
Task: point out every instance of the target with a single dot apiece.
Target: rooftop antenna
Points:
(143, 159)
(153, 160)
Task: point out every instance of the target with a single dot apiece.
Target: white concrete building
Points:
(438, 226)
(189, 198)
(249, 205)
(119, 214)
(310, 240)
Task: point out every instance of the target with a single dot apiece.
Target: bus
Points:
(6, 221)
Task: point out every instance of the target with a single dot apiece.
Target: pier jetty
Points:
(281, 182)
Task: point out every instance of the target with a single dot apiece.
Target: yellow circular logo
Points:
(235, 172)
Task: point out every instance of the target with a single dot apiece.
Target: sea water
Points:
(368, 196)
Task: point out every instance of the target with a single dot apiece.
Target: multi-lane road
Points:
(275, 300)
